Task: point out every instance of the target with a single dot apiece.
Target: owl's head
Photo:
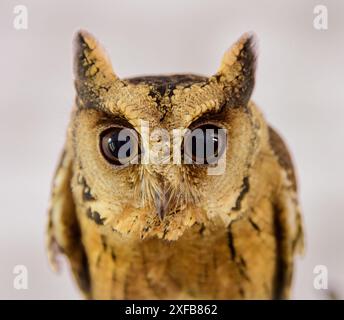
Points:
(155, 155)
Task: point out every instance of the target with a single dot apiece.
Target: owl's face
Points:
(155, 155)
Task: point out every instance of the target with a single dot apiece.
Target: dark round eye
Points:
(119, 145)
(204, 144)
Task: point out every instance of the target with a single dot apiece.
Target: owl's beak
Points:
(161, 205)
(163, 194)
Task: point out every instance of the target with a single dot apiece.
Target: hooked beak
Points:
(163, 199)
(161, 203)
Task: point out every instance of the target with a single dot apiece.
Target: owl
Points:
(173, 186)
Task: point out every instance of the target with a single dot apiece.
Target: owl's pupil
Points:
(204, 144)
(208, 143)
(115, 146)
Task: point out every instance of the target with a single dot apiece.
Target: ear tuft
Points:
(90, 59)
(237, 70)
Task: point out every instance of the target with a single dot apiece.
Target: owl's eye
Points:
(204, 144)
(119, 145)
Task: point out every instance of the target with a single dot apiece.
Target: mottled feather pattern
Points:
(172, 230)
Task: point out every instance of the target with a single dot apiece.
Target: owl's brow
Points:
(108, 117)
(209, 115)
(88, 104)
(116, 114)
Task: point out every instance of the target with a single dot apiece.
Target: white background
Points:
(299, 87)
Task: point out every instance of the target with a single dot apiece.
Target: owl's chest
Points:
(205, 263)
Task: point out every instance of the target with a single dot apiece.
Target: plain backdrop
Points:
(299, 88)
